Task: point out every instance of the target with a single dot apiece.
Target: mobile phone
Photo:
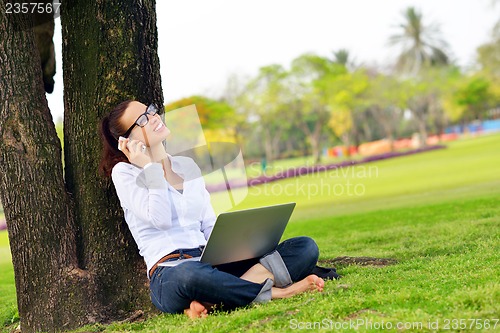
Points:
(121, 138)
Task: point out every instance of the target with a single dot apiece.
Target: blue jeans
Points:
(173, 288)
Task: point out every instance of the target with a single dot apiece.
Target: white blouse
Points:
(160, 218)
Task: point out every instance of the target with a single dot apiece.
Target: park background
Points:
(435, 213)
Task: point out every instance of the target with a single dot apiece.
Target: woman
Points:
(169, 214)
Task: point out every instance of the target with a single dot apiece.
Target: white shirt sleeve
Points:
(145, 193)
(209, 217)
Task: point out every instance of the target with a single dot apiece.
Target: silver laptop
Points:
(244, 234)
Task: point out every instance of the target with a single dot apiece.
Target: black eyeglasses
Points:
(143, 119)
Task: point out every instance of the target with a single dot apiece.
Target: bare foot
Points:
(196, 310)
(310, 283)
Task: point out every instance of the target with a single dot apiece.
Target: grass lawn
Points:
(436, 213)
(8, 306)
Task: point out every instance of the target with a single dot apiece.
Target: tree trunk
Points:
(51, 290)
(289, 146)
(316, 142)
(275, 140)
(420, 112)
(423, 132)
(315, 149)
(109, 55)
(366, 126)
(268, 146)
(74, 259)
(313, 137)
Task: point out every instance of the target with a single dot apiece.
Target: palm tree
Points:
(342, 57)
(421, 44)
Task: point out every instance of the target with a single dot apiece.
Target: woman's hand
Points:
(135, 152)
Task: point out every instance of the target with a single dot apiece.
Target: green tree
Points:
(489, 61)
(488, 58)
(213, 114)
(473, 98)
(344, 99)
(234, 95)
(425, 98)
(421, 44)
(266, 96)
(488, 53)
(422, 50)
(343, 57)
(310, 91)
(385, 99)
(496, 28)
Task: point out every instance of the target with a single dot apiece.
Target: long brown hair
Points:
(110, 129)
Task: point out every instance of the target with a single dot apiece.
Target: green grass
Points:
(8, 306)
(448, 268)
(437, 213)
(466, 168)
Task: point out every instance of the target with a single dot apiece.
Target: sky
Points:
(201, 43)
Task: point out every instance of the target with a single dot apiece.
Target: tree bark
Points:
(51, 290)
(109, 55)
(75, 261)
